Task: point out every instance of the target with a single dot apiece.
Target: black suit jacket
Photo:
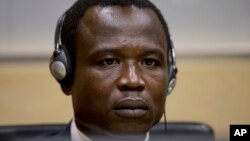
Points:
(63, 135)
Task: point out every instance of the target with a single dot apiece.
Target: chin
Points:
(129, 130)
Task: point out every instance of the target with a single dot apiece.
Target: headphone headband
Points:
(58, 33)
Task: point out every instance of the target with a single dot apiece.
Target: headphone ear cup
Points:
(171, 78)
(60, 66)
(171, 86)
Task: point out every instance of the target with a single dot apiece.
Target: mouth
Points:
(130, 108)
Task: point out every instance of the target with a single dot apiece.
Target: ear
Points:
(66, 90)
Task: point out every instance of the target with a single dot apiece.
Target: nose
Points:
(131, 79)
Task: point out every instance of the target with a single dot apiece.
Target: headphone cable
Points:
(165, 120)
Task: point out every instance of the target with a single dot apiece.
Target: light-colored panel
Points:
(213, 90)
(30, 95)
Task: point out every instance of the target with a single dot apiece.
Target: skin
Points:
(121, 71)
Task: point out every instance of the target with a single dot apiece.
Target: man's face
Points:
(121, 70)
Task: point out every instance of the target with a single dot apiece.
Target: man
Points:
(114, 57)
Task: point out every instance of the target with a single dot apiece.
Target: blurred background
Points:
(212, 42)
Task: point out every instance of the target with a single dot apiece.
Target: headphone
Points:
(60, 63)
(62, 70)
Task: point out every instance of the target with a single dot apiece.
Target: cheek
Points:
(92, 80)
(157, 86)
(92, 88)
(158, 98)
(159, 105)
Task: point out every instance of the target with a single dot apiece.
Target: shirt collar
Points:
(76, 134)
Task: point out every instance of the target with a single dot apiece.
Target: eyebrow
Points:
(154, 51)
(102, 51)
(147, 51)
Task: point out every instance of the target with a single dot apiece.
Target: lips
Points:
(131, 108)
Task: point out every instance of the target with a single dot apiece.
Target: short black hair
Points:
(74, 14)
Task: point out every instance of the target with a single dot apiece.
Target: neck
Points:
(97, 134)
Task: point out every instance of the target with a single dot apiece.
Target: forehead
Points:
(118, 17)
(113, 22)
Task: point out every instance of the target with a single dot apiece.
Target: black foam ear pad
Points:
(60, 66)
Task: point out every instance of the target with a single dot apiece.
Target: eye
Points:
(108, 62)
(150, 62)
